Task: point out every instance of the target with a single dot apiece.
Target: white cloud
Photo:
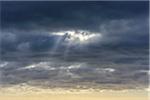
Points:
(3, 64)
(105, 70)
(79, 37)
(42, 65)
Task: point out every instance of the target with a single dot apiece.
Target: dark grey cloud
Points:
(62, 74)
(84, 15)
(32, 54)
(117, 21)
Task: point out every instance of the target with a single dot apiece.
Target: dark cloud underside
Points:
(32, 52)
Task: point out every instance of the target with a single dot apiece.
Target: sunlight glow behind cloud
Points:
(79, 37)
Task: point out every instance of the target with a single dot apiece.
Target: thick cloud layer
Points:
(77, 43)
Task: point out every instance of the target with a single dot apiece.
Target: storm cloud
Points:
(82, 41)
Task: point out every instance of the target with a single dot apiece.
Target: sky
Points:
(98, 44)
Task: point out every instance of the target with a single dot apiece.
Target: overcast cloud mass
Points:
(70, 44)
